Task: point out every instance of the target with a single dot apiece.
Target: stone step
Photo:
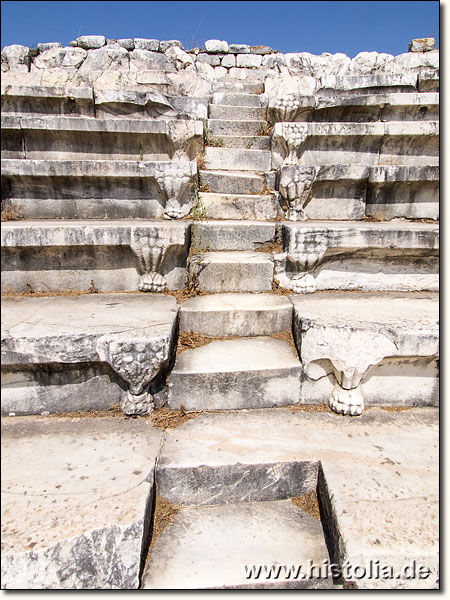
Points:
(241, 206)
(99, 102)
(248, 142)
(262, 453)
(259, 372)
(108, 255)
(226, 159)
(334, 255)
(233, 271)
(360, 108)
(233, 183)
(233, 235)
(97, 189)
(239, 113)
(223, 315)
(224, 99)
(72, 473)
(209, 547)
(236, 86)
(73, 353)
(351, 191)
(71, 138)
(378, 348)
(414, 143)
(221, 127)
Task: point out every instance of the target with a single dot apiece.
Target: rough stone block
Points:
(89, 42)
(235, 272)
(422, 45)
(146, 44)
(232, 235)
(228, 61)
(216, 46)
(241, 206)
(229, 159)
(248, 61)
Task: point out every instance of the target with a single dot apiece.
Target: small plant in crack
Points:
(197, 249)
(141, 151)
(207, 139)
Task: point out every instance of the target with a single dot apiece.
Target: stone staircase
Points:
(302, 209)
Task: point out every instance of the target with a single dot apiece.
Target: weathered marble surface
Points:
(133, 334)
(83, 489)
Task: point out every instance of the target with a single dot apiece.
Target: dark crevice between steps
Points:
(333, 539)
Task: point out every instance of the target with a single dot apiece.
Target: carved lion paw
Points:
(152, 282)
(303, 284)
(346, 402)
(138, 404)
(173, 210)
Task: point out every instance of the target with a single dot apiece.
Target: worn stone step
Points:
(226, 159)
(234, 271)
(378, 499)
(366, 256)
(241, 206)
(222, 315)
(209, 547)
(235, 86)
(352, 191)
(236, 182)
(235, 374)
(71, 138)
(97, 189)
(73, 353)
(257, 142)
(72, 532)
(412, 143)
(221, 127)
(239, 113)
(233, 235)
(108, 255)
(382, 348)
(230, 99)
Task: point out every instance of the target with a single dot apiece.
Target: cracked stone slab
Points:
(233, 235)
(239, 159)
(241, 206)
(76, 501)
(209, 547)
(132, 333)
(234, 374)
(382, 498)
(222, 315)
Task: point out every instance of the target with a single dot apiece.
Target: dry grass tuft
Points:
(277, 289)
(270, 247)
(311, 408)
(187, 340)
(9, 213)
(165, 513)
(114, 411)
(166, 418)
(201, 164)
(393, 408)
(309, 503)
(286, 336)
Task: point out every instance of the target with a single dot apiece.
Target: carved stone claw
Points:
(152, 282)
(138, 404)
(303, 284)
(173, 210)
(346, 402)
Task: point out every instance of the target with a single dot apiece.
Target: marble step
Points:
(97, 189)
(258, 372)
(108, 255)
(233, 271)
(352, 191)
(241, 206)
(365, 256)
(227, 159)
(378, 499)
(360, 108)
(222, 127)
(69, 138)
(257, 142)
(236, 86)
(232, 182)
(412, 143)
(233, 235)
(239, 113)
(209, 548)
(100, 103)
(230, 99)
(80, 353)
(371, 349)
(72, 473)
(222, 315)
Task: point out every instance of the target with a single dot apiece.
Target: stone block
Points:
(90, 42)
(209, 59)
(235, 374)
(228, 61)
(166, 44)
(238, 159)
(249, 61)
(216, 47)
(239, 48)
(422, 45)
(261, 50)
(43, 47)
(146, 44)
(232, 235)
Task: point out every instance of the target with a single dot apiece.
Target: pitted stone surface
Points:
(83, 491)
